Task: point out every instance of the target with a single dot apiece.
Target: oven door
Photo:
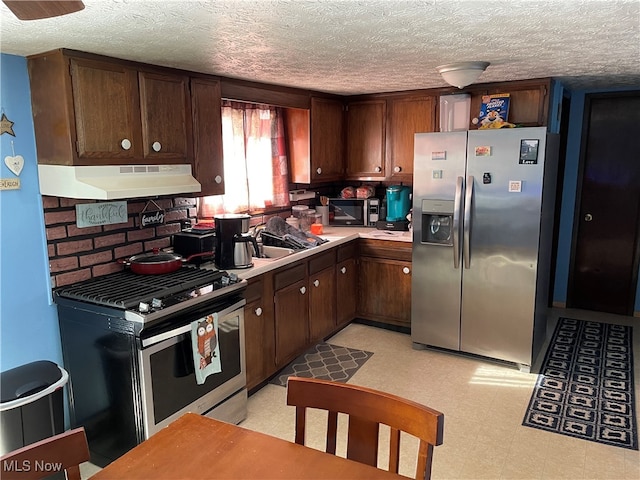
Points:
(169, 386)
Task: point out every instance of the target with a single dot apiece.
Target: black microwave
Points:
(353, 212)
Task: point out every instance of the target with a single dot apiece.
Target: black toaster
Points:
(192, 242)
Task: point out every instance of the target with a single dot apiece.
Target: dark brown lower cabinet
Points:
(322, 295)
(259, 330)
(291, 308)
(346, 283)
(322, 303)
(299, 305)
(384, 293)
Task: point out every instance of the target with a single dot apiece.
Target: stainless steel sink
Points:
(273, 253)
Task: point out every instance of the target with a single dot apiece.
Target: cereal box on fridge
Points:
(494, 111)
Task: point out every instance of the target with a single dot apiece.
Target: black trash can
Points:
(31, 404)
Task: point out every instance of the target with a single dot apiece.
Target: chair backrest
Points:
(367, 409)
(63, 452)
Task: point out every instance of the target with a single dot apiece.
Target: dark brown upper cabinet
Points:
(406, 117)
(208, 164)
(91, 110)
(316, 141)
(366, 140)
(327, 139)
(165, 108)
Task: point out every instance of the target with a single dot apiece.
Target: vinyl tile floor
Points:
(483, 403)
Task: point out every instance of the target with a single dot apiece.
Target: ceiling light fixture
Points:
(461, 74)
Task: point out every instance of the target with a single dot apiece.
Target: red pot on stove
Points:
(158, 263)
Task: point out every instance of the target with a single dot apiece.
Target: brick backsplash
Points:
(77, 254)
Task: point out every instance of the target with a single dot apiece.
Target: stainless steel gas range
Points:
(127, 345)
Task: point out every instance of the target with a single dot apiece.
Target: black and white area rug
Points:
(325, 361)
(585, 387)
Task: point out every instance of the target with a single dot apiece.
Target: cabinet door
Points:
(407, 116)
(322, 303)
(105, 103)
(388, 297)
(366, 139)
(259, 339)
(347, 290)
(166, 117)
(208, 166)
(291, 306)
(298, 129)
(327, 139)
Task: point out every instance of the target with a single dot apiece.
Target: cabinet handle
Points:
(218, 179)
(303, 290)
(343, 270)
(319, 171)
(125, 144)
(258, 311)
(397, 169)
(378, 169)
(316, 283)
(406, 270)
(156, 146)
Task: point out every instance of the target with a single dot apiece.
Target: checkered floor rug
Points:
(585, 388)
(325, 361)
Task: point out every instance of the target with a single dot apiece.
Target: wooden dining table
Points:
(198, 447)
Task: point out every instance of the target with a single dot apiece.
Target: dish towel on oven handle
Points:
(206, 350)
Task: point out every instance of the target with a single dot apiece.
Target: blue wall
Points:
(569, 189)
(28, 319)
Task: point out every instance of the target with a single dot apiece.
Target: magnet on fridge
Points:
(483, 151)
(486, 178)
(515, 186)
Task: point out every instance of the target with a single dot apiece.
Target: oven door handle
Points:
(147, 342)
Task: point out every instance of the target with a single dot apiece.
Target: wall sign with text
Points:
(149, 218)
(106, 213)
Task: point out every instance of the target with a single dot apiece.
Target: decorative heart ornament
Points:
(14, 163)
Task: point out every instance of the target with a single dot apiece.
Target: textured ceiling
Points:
(353, 46)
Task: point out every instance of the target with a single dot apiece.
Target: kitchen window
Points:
(255, 160)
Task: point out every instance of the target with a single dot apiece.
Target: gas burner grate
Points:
(126, 289)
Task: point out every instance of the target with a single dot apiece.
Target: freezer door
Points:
(438, 174)
(505, 170)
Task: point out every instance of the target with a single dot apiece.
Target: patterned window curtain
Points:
(254, 153)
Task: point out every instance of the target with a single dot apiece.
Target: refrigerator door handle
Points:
(466, 252)
(457, 208)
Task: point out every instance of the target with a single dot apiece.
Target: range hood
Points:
(110, 182)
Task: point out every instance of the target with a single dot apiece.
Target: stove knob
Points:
(156, 303)
(143, 307)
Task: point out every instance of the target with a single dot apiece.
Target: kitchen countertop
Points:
(335, 235)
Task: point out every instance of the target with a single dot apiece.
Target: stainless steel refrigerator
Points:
(483, 213)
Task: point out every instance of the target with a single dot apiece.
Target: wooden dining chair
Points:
(62, 452)
(367, 410)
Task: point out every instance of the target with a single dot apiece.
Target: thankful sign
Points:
(107, 213)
